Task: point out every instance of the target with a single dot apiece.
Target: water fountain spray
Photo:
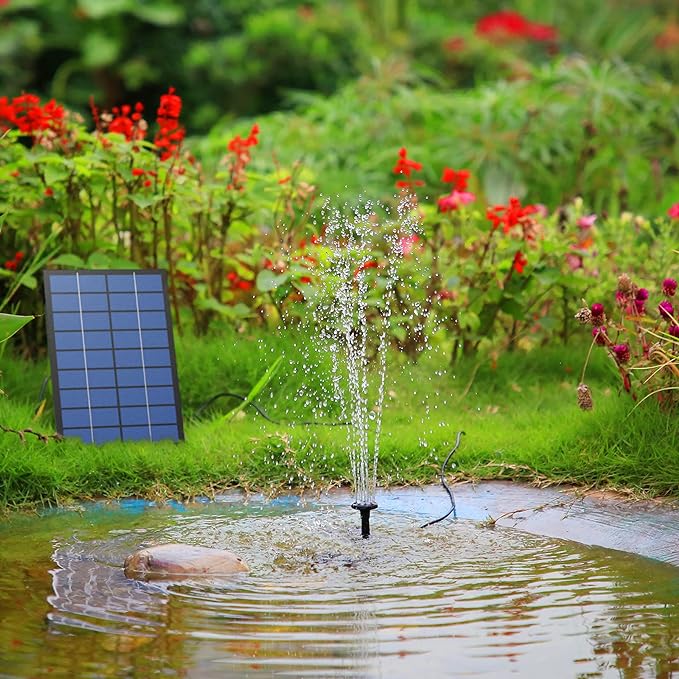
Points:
(360, 274)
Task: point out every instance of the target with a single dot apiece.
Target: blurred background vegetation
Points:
(245, 57)
(545, 100)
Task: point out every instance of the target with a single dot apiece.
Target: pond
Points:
(455, 599)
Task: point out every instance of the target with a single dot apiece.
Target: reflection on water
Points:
(451, 601)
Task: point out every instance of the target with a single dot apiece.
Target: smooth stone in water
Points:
(178, 560)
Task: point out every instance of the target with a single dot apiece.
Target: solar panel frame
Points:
(104, 378)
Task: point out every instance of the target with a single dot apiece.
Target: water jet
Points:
(359, 277)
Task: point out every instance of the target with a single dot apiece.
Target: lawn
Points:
(520, 417)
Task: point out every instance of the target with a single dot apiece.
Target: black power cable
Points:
(263, 413)
(445, 485)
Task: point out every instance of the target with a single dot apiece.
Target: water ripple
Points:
(453, 600)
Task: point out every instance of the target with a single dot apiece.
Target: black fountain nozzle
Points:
(365, 510)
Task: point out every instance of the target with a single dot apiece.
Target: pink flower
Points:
(598, 313)
(574, 261)
(599, 334)
(674, 211)
(453, 200)
(622, 353)
(669, 287)
(586, 222)
(666, 309)
(407, 244)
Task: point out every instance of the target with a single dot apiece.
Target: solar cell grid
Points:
(113, 366)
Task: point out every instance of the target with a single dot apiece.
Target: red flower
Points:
(669, 38)
(170, 133)
(404, 166)
(509, 215)
(458, 178)
(170, 105)
(43, 122)
(372, 264)
(122, 121)
(454, 44)
(19, 256)
(244, 285)
(147, 183)
(507, 25)
(138, 172)
(241, 149)
(305, 279)
(238, 145)
(520, 262)
(49, 192)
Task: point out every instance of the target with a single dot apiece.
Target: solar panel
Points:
(112, 354)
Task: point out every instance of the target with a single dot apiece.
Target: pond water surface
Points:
(453, 600)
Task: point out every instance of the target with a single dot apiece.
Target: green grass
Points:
(520, 417)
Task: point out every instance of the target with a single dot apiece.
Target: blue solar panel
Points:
(112, 352)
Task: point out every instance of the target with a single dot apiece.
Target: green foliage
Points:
(605, 132)
(10, 324)
(235, 233)
(226, 57)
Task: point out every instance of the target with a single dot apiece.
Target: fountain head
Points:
(365, 510)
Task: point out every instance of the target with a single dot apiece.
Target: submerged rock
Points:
(178, 560)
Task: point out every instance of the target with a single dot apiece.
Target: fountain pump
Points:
(365, 510)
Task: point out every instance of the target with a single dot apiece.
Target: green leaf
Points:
(513, 308)
(69, 260)
(99, 49)
(548, 322)
(241, 310)
(54, 173)
(11, 324)
(268, 280)
(254, 392)
(142, 201)
(98, 9)
(119, 263)
(160, 14)
(280, 293)
(28, 281)
(98, 260)
(468, 320)
(211, 304)
(399, 332)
